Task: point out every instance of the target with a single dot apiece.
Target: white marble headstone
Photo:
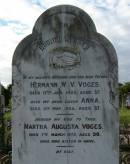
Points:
(65, 92)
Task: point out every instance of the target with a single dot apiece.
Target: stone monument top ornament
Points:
(65, 99)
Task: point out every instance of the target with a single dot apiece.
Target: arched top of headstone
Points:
(63, 22)
(52, 13)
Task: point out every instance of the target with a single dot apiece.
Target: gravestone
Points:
(65, 92)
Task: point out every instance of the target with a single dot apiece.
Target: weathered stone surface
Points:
(65, 100)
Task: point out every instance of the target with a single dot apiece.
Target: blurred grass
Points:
(7, 116)
(124, 116)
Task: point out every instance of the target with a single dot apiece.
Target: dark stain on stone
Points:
(19, 52)
(24, 135)
(77, 28)
(55, 24)
(24, 99)
(20, 154)
(105, 117)
(110, 53)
